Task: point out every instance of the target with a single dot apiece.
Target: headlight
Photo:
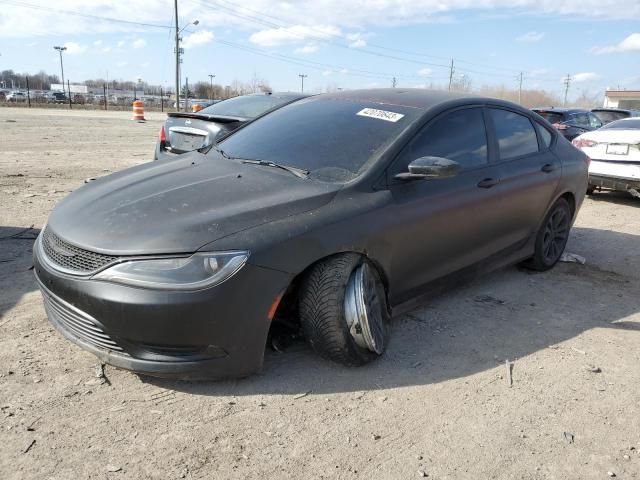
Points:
(198, 271)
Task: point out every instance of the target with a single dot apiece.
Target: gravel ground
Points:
(438, 404)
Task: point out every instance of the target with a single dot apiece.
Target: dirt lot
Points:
(438, 403)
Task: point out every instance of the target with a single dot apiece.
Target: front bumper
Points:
(219, 332)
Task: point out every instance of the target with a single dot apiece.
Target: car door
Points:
(529, 171)
(440, 226)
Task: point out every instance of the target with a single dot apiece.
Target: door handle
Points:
(487, 183)
(548, 168)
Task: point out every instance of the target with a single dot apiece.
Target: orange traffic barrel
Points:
(138, 111)
(196, 107)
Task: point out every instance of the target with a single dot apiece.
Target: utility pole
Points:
(175, 14)
(567, 82)
(60, 50)
(451, 70)
(302, 77)
(520, 90)
(186, 95)
(211, 92)
(394, 82)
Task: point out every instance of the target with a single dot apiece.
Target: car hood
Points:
(178, 206)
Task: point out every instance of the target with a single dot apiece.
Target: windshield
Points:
(607, 116)
(331, 138)
(633, 124)
(551, 117)
(247, 106)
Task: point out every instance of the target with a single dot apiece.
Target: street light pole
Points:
(60, 50)
(302, 77)
(177, 57)
(211, 92)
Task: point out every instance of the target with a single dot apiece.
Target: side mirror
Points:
(430, 167)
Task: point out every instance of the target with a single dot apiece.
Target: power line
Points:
(321, 36)
(312, 64)
(79, 14)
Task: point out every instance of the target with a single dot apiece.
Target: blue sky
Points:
(336, 43)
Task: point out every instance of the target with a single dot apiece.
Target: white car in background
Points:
(615, 156)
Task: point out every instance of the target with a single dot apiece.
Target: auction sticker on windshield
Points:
(380, 114)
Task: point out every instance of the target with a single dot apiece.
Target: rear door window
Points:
(514, 133)
(460, 136)
(545, 136)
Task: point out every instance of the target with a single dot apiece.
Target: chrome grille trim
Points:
(70, 259)
(77, 323)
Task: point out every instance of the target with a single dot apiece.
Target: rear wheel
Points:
(552, 237)
(343, 310)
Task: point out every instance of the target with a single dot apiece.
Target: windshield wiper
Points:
(204, 150)
(298, 172)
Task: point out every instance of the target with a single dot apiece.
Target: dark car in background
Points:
(328, 215)
(608, 115)
(185, 131)
(570, 122)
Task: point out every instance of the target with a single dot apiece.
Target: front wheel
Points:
(343, 310)
(552, 237)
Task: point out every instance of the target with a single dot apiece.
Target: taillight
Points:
(583, 142)
(162, 136)
(560, 126)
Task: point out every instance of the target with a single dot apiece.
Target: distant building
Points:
(58, 87)
(622, 99)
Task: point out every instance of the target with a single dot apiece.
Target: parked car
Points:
(186, 131)
(336, 211)
(571, 122)
(607, 115)
(16, 96)
(59, 97)
(615, 156)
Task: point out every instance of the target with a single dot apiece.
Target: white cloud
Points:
(279, 36)
(21, 21)
(425, 72)
(629, 44)
(106, 49)
(74, 48)
(139, 43)
(530, 37)
(357, 40)
(583, 77)
(122, 64)
(97, 43)
(198, 38)
(326, 73)
(30, 44)
(121, 43)
(306, 50)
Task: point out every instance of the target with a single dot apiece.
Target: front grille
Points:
(77, 323)
(72, 258)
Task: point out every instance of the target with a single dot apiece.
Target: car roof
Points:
(406, 97)
(560, 110)
(605, 109)
(282, 94)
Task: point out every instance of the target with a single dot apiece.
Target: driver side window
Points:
(460, 136)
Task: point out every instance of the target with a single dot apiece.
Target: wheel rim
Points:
(363, 308)
(556, 233)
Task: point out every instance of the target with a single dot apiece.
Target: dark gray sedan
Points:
(184, 132)
(327, 216)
